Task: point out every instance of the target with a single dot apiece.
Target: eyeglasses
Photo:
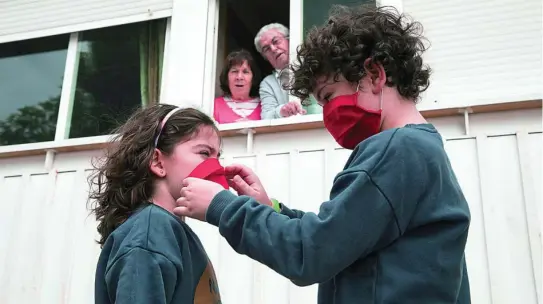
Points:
(275, 42)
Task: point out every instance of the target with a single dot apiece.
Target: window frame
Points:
(67, 97)
(210, 74)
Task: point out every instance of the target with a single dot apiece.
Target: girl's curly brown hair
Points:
(354, 34)
(122, 181)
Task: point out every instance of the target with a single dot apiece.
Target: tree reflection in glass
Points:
(31, 73)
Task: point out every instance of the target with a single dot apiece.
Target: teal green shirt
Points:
(154, 257)
(393, 231)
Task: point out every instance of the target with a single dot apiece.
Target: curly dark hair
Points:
(123, 181)
(350, 37)
(237, 58)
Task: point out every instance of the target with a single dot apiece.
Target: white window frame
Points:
(398, 4)
(210, 76)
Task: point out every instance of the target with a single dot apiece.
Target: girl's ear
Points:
(157, 164)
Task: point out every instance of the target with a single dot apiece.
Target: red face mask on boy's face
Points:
(211, 170)
(350, 123)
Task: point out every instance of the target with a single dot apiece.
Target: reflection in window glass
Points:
(119, 71)
(31, 75)
(316, 12)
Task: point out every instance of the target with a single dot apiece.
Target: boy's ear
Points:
(377, 75)
(157, 164)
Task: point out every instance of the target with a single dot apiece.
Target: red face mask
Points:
(349, 123)
(211, 170)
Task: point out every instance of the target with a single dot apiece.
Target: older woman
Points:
(239, 82)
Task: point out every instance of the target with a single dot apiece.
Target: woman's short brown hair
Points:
(237, 58)
(354, 34)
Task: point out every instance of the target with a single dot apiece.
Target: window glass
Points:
(315, 13)
(118, 71)
(31, 74)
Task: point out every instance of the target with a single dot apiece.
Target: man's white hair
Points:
(272, 26)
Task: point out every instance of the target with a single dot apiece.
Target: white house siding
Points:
(47, 252)
(482, 51)
(25, 19)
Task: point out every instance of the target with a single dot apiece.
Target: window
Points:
(31, 74)
(239, 22)
(118, 71)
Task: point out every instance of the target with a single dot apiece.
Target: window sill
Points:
(296, 123)
(314, 121)
(67, 145)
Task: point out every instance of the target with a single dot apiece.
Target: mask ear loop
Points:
(381, 100)
(381, 109)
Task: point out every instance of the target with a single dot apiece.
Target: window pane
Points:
(31, 75)
(316, 11)
(119, 70)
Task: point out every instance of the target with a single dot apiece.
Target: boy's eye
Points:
(206, 153)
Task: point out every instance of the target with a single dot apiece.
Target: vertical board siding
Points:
(472, 50)
(48, 253)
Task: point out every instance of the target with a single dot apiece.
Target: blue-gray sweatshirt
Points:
(153, 257)
(393, 231)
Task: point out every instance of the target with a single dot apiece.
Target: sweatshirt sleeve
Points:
(271, 107)
(291, 213)
(313, 248)
(141, 276)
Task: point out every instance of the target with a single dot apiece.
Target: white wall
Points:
(48, 254)
(451, 126)
(24, 19)
(482, 51)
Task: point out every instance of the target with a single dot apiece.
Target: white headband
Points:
(163, 123)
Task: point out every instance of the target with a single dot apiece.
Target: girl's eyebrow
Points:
(210, 148)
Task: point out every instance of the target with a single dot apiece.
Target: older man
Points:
(272, 42)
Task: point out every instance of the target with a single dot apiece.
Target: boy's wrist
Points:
(275, 204)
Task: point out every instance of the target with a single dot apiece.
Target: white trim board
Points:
(72, 28)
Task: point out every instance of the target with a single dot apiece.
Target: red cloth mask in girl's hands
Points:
(211, 170)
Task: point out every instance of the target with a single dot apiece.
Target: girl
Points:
(148, 254)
